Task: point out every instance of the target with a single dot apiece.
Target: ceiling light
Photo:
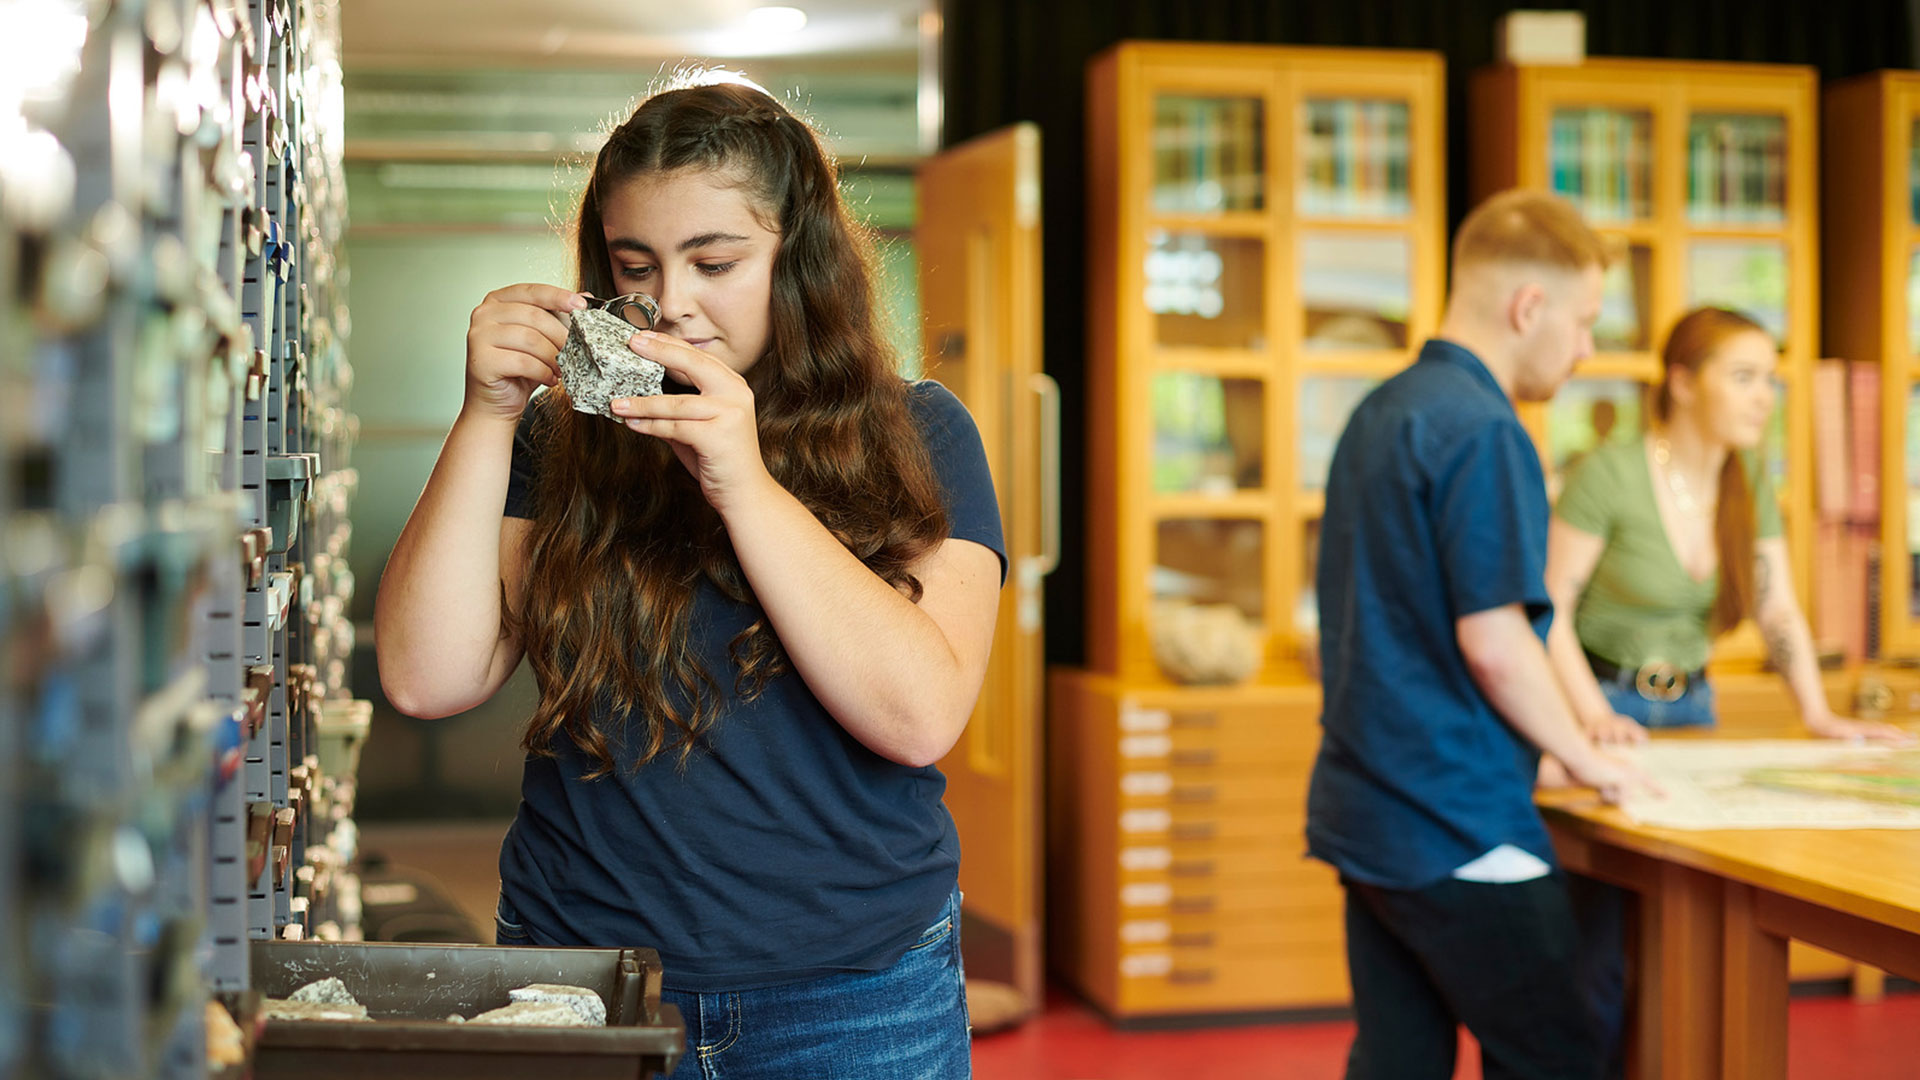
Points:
(773, 21)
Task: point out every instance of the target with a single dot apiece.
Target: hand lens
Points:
(637, 308)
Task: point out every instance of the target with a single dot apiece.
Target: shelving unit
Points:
(1267, 243)
(174, 479)
(1871, 288)
(1705, 176)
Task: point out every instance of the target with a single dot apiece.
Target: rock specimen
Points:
(533, 1014)
(584, 1002)
(327, 991)
(597, 366)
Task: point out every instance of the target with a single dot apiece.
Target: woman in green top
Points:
(1660, 544)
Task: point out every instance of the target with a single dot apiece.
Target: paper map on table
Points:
(1778, 784)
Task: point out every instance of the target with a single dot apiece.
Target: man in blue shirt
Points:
(1439, 695)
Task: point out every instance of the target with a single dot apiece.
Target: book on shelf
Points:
(1864, 391)
(1598, 159)
(1832, 452)
(1736, 169)
(1356, 158)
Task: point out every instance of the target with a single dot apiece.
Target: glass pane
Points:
(1207, 434)
(1622, 326)
(1749, 276)
(1913, 171)
(1602, 159)
(1354, 158)
(1209, 154)
(1913, 497)
(1775, 447)
(1357, 289)
(1208, 291)
(1588, 413)
(1209, 599)
(1306, 611)
(1325, 405)
(1913, 303)
(1736, 169)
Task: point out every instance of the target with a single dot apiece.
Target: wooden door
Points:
(978, 242)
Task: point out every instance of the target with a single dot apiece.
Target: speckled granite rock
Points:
(597, 366)
(533, 1014)
(328, 991)
(277, 1009)
(584, 1002)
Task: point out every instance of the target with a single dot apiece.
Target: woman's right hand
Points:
(513, 345)
(1613, 729)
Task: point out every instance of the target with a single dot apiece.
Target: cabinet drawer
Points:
(1189, 937)
(1204, 786)
(1211, 980)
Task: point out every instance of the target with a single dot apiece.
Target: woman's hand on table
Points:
(1840, 727)
(1613, 729)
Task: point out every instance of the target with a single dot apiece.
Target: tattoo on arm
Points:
(1779, 644)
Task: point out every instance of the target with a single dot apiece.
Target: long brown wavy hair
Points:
(1693, 342)
(621, 535)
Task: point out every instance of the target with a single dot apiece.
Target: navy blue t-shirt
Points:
(784, 851)
(1436, 509)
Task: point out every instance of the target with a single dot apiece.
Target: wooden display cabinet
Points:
(1267, 242)
(1871, 287)
(1703, 174)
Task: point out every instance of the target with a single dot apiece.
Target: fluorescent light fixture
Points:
(774, 21)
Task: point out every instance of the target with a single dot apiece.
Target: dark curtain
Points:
(1009, 60)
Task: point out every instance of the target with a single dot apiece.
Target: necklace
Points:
(1683, 496)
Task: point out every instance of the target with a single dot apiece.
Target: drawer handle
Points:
(1193, 830)
(1198, 868)
(1193, 941)
(1192, 905)
(1196, 720)
(1199, 793)
(1190, 976)
(1193, 757)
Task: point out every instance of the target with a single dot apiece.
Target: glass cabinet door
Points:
(1626, 304)
(1736, 169)
(1325, 404)
(1206, 291)
(1590, 413)
(1357, 289)
(1209, 154)
(1749, 276)
(1207, 434)
(1602, 160)
(1355, 159)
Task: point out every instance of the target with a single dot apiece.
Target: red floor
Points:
(1830, 1038)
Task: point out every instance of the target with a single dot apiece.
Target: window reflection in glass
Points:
(1206, 291)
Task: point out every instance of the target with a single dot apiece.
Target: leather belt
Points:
(1655, 681)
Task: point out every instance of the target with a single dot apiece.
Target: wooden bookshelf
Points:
(1267, 241)
(1870, 269)
(1704, 176)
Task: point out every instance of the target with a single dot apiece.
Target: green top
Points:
(1641, 605)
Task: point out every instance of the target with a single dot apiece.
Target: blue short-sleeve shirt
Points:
(785, 850)
(1436, 509)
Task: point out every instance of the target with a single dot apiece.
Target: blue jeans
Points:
(907, 1022)
(1691, 709)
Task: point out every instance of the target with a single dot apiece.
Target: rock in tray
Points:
(584, 1002)
(533, 1014)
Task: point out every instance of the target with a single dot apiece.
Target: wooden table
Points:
(1717, 908)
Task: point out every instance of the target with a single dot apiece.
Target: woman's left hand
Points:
(713, 432)
(1839, 727)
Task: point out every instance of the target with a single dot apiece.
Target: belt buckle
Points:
(1660, 681)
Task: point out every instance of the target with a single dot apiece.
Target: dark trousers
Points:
(1498, 958)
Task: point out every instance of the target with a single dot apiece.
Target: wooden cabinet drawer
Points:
(1217, 980)
(1206, 786)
